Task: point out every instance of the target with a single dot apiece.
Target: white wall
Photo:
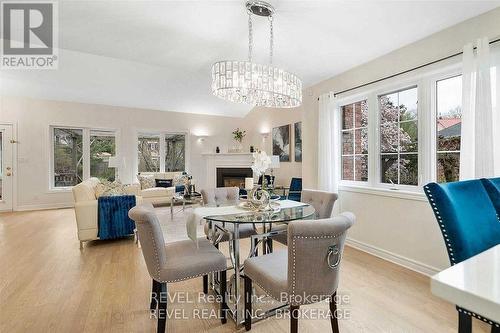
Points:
(261, 120)
(34, 116)
(400, 229)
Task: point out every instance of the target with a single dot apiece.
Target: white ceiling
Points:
(158, 54)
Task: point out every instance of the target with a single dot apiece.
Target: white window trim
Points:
(425, 81)
(161, 135)
(86, 153)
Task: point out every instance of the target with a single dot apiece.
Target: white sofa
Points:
(158, 195)
(86, 207)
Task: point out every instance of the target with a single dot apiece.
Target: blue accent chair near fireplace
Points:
(468, 215)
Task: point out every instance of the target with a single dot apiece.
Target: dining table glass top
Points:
(304, 211)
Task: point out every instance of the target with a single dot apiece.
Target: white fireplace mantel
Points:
(224, 160)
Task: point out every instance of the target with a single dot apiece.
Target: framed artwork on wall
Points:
(297, 130)
(281, 142)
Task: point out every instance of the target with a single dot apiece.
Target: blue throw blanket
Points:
(113, 217)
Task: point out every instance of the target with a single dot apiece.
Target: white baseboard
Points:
(393, 257)
(43, 207)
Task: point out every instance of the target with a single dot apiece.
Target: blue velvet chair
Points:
(492, 186)
(469, 224)
(295, 189)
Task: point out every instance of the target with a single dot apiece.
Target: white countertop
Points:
(473, 284)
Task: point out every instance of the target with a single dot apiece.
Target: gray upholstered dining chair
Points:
(226, 195)
(173, 262)
(307, 271)
(322, 202)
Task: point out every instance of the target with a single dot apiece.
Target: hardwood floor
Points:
(48, 285)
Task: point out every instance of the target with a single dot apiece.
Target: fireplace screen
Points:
(233, 177)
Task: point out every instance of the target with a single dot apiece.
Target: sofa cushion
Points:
(107, 188)
(156, 192)
(146, 181)
(163, 182)
(85, 191)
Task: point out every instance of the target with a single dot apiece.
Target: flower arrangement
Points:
(238, 134)
(261, 162)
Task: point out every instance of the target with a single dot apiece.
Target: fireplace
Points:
(229, 177)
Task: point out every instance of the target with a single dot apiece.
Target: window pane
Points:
(148, 149)
(408, 136)
(175, 151)
(361, 141)
(347, 168)
(389, 138)
(361, 114)
(347, 142)
(408, 104)
(102, 147)
(408, 169)
(449, 113)
(68, 156)
(448, 166)
(388, 105)
(361, 172)
(347, 116)
(399, 135)
(389, 168)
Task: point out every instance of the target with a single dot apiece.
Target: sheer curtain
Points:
(480, 141)
(328, 145)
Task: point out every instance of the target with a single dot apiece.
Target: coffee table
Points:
(191, 200)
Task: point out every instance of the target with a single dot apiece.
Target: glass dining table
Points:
(263, 223)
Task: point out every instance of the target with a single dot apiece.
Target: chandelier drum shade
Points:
(252, 83)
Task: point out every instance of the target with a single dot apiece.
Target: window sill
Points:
(417, 195)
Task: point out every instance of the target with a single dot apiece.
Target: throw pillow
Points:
(146, 181)
(164, 182)
(107, 188)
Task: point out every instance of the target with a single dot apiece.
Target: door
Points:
(6, 171)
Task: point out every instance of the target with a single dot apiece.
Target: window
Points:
(448, 128)
(399, 137)
(355, 141)
(102, 147)
(79, 153)
(148, 150)
(175, 148)
(67, 156)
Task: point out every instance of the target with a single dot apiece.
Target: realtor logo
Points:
(29, 35)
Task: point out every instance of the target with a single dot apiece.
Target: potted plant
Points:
(238, 136)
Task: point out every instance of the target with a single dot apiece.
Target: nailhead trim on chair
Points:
(475, 315)
(191, 277)
(157, 259)
(293, 251)
(441, 225)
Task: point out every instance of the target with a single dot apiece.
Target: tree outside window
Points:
(148, 150)
(68, 156)
(175, 149)
(102, 147)
(399, 137)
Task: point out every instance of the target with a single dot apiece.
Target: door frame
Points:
(14, 162)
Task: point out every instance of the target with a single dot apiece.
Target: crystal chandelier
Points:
(252, 83)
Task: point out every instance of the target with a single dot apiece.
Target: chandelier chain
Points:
(250, 37)
(271, 40)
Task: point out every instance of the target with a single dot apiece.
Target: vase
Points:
(238, 147)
